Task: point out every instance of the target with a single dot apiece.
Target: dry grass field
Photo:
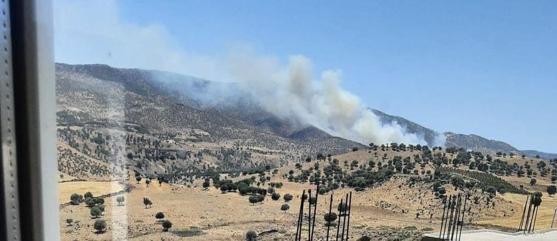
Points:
(96, 187)
(545, 212)
(199, 214)
(210, 215)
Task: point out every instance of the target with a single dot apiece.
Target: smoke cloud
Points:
(94, 32)
(291, 91)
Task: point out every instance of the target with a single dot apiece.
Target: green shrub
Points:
(100, 226)
(166, 225)
(251, 236)
(75, 199)
(95, 212)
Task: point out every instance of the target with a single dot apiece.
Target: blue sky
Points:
(482, 67)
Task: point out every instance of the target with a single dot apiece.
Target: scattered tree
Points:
(88, 195)
(159, 216)
(101, 207)
(206, 184)
(147, 202)
(288, 197)
(364, 238)
(95, 212)
(100, 226)
(284, 207)
(251, 236)
(166, 225)
(90, 202)
(75, 199)
(120, 200)
(330, 218)
(551, 190)
(253, 199)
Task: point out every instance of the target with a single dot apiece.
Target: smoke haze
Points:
(289, 90)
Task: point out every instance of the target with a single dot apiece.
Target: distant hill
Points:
(468, 142)
(429, 135)
(477, 143)
(162, 101)
(543, 155)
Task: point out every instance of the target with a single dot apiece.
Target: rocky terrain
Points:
(214, 167)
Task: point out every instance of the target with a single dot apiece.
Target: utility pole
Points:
(329, 224)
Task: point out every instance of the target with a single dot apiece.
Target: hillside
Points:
(469, 142)
(429, 135)
(544, 155)
(97, 104)
(397, 195)
(163, 105)
(477, 143)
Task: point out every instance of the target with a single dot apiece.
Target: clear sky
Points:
(472, 67)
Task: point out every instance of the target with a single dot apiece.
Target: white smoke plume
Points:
(94, 32)
(290, 91)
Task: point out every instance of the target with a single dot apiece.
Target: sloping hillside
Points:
(176, 103)
(99, 101)
(477, 143)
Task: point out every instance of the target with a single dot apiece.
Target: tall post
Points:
(309, 214)
(463, 215)
(523, 213)
(535, 218)
(450, 221)
(527, 220)
(339, 216)
(531, 216)
(344, 218)
(349, 213)
(314, 212)
(300, 216)
(329, 224)
(447, 219)
(457, 215)
(443, 218)
(446, 225)
(453, 207)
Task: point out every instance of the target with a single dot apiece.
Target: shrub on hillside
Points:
(100, 226)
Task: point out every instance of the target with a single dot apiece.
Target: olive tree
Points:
(288, 197)
(330, 218)
(159, 216)
(88, 195)
(166, 225)
(551, 190)
(120, 200)
(95, 212)
(100, 226)
(147, 202)
(251, 236)
(75, 199)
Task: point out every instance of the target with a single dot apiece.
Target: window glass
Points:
(360, 120)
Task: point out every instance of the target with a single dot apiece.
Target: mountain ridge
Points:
(188, 94)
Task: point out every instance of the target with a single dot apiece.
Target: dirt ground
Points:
(66, 189)
(210, 215)
(545, 212)
(199, 214)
